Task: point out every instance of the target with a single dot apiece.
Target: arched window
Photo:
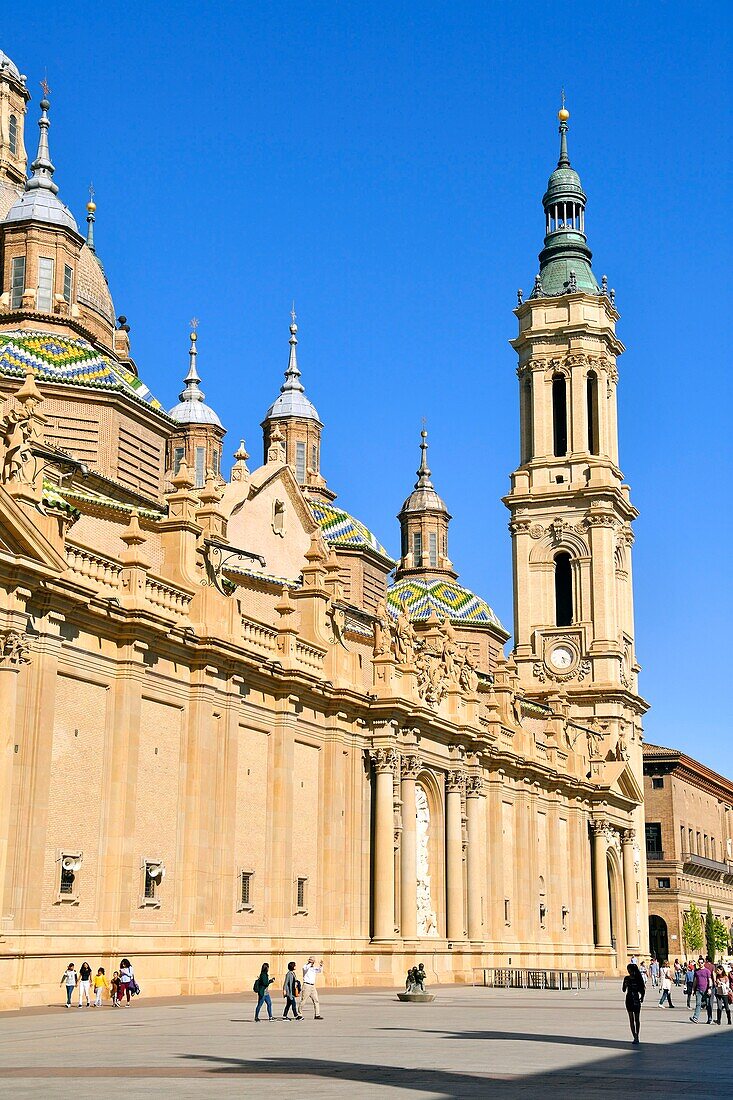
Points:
(563, 589)
(592, 403)
(559, 415)
(13, 135)
(527, 426)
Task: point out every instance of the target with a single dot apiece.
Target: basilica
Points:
(232, 727)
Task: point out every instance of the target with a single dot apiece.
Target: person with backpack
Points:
(291, 992)
(261, 987)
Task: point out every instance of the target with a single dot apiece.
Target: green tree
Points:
(720, 935)
(710, 932)
(692, 930)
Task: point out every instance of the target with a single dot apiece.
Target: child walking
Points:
(100, 984)
(115, 989)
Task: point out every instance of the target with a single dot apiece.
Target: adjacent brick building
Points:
(689, 844)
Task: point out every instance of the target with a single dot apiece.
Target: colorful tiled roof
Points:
(447, 599)
(342, 529)
(55, 358)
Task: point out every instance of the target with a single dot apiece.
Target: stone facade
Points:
(689, 845)
(228, 734)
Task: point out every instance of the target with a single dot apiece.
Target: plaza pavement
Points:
(467, 1043)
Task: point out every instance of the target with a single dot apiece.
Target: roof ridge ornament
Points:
(192, 390)
(42, 166)
(563, 114)
(423, 472)
(91, 218)
(292, 374)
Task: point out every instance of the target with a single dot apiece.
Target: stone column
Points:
(384, 761)
(600, 885)
(408, 862)
(475, 814)
(627, 858)
(14, 654)
(454, 855)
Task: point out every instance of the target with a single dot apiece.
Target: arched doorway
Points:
(427, 920)
(658, 938)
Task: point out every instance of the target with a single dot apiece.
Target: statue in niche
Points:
(427, 922)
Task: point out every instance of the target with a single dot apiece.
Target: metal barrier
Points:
(531, 978)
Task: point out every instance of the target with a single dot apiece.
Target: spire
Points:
(192, 391)
(423, 473)
(91, 209)
(292, 374)
(563, 114)
(43, 169)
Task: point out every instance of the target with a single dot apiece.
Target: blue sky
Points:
(383, 165)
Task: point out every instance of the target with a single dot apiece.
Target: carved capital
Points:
(15, 649)
(519, 526)
(628, 836)
(383, 760)
(455, 780)
(599, 828)
(410, 766)
(474, 786)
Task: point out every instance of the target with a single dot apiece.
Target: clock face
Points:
(562, 656)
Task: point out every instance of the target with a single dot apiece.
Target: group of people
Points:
(707, 983)
(121, 988)
(296, 993)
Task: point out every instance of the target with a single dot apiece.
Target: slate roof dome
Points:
(291, 401)
(9, 65)
(40, 202)
(191, 407)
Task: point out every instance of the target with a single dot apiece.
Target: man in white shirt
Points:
(309, 991)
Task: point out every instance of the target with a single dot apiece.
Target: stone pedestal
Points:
(416, 998)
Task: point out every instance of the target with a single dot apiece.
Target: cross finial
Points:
(194, 323)
(44, 86)
(91, 192)
(292, 312)
(562, 97)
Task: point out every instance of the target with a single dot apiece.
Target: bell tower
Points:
(571, 513)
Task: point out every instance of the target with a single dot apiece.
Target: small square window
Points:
(301, 897)
(245, 891)
(663, 884)
(657, 782)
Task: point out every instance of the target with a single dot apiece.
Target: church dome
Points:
(292, 401)
(7, 65)
(91, 285)
(341, 529)
(419, 599)
(39, 201)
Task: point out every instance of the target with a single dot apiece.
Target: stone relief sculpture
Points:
(16, 436)
(382, 638)
(438, 659)
(14, 649)
(427, 922)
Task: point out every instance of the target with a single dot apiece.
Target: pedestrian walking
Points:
(722, 994)
(128, 984)
(665, 978)
(677, 972)
(261, 987)
(701, 989)
(100, 984)
(85, 983)
(689, 980)
(643, 971)
(116, 989)
(291, 992)
(310, 993)
(654, 971)
(69, 979)
(634, 988)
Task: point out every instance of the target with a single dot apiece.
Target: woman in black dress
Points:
(634, 989)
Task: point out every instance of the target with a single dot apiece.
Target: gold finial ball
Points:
(563, 114)
(91, 207)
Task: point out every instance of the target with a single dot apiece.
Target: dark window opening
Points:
(246, 891)
(657, 782)
(559, 415)
(592, 401)
(66, 886)
(527, 424)
(149, 883)
(563, 590)
(663, 884)
(653, 838)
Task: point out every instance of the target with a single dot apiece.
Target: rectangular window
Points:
(17, 282)
(178, 454)
(215, 462)
(300, 896)
(68, 275)
(314, 458)
(417, 548)
(507, 911)
(44, 296)
(300, 462)
(657, 782)
(433, 548)
(653, 834)
(200, 466)
(66, 886)
(663, 884)
(150, 882)
(13, 135)
(245, 890)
